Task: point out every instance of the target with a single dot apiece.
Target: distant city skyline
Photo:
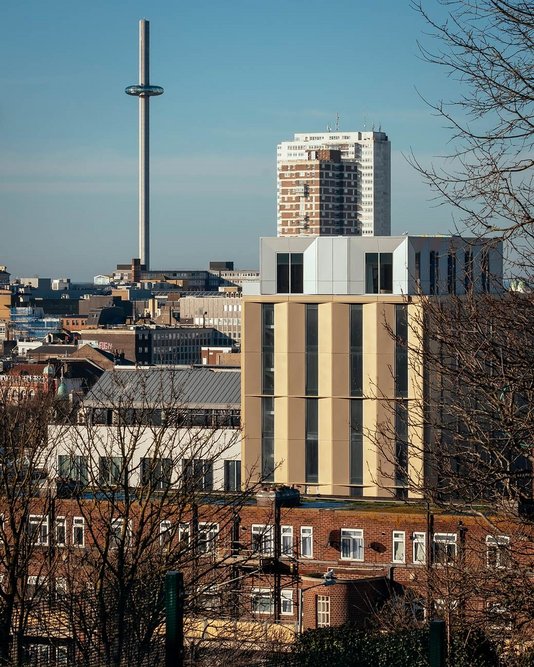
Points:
(240, 78)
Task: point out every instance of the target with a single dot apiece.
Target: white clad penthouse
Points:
(334, 183)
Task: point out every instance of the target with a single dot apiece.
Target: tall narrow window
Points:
(267, 348)
(312, 441)
(484, 270)
(451, 272)
(399, 546)
(289, 273)
(356, 350)
(401, 351)
(419, 547)
(323, 611)
(232, 475)
(417, 275)
(356, 447)
(286, 540)
(78, 531)
(306, 541)
(468, 270)
(401, 449)
(379, 273)
(312, 335)
(267, 438)
(434, 272)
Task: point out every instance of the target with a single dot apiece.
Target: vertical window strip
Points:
(356, 350)
(267, 310)
(267, 438)
(312, 441)
(312, 340)
(356, 447)
(401, 351)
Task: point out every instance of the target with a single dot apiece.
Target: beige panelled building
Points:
(325, 371)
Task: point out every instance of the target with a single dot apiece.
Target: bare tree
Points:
(25, 529)
(486, 46)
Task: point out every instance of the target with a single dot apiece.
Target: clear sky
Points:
(239, 76)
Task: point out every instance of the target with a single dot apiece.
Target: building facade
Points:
(332, 384)
(334, 183)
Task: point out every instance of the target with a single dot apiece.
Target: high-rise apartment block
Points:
(334, 184)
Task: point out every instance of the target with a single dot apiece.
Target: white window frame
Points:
(118, 532)
(38, 527)
(353, 538)
(398, 538)
(61, 524)
(448, 539)
(286, 541)
(262, 539)
(78, 522)
(419, 540)
(286, 602)
(323, 611)
(184, 533)
(264, 594)
(500, 545)
(165, 533)
(306, 541)
(209, 532)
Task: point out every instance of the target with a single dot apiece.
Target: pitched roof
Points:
(167, 387)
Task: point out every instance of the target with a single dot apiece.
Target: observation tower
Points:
(144, 91)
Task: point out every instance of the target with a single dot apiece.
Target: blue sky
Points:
(239, 76)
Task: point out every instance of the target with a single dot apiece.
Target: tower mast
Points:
(144, 91)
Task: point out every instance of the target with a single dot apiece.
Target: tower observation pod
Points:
(144, 91)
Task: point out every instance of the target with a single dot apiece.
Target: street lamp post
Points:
(329, 579)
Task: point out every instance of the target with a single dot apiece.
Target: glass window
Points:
(38, 529)
(165, 535)
(156, 473)
(401, 449)
(111, 470)
(267, 310)
(434, 272)
(312, 339)
(451, 273)
(351, 544)
(401, 351)
(379, 273)
(399, 546)
(61, 531)
(262, 540)
(286, 540)
(498, 551)
(356, 447)
(198, 474)
(312, 441)
(207, 537)
(356, 350)
(306, 541)
(323, 611)
(73, 467)
(287, 601)
(371, 272)
(444, 548)
(289, 273)
(262, 601)
(267, 439)
(78, 531)
(419, 548)
(232, 475)
(120, 533)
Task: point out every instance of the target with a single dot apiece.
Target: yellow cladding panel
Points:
(251, 448)
(334, 346)
(289, 441)
(289, 345)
